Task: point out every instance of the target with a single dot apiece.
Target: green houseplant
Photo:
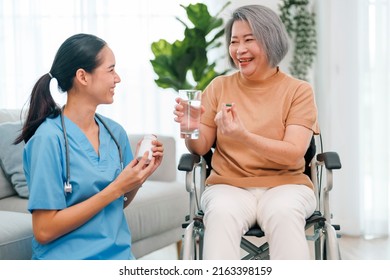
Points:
(300, 26)
(184, 64)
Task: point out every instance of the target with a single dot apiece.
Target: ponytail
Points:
(42, 106)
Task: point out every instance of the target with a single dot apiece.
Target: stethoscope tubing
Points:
(67, 185)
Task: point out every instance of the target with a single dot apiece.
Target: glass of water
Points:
(191, 101)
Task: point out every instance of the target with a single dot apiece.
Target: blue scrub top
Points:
(106, 235)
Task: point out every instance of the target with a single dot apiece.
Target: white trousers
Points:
(280, 211)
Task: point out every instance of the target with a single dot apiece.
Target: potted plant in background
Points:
(184, 64)
(301, 28)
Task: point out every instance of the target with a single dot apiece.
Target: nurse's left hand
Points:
(158, 153)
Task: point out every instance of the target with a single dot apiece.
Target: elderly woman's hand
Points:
(229, 122)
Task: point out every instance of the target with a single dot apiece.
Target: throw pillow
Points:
(11, 157)
(6, 188)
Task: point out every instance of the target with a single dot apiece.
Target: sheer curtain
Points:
(375, 117)
(32, 30)
(352, 85)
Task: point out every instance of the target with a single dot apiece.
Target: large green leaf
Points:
(174, 63)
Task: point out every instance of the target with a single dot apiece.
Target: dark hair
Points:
(79, 51)
(267, 28)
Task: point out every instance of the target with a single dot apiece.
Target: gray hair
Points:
(267, 28)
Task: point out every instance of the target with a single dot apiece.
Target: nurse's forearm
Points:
(49, 225)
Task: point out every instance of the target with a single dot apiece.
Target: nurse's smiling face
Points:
(104, 78)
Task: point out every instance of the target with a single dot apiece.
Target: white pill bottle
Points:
(146, 145)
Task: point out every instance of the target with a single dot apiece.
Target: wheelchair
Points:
(318, 227)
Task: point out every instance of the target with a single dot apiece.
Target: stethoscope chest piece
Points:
(67, 188)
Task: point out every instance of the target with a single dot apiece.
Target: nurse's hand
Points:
(136, 172)
(157, 157)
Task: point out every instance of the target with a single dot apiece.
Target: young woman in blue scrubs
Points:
(82, 218)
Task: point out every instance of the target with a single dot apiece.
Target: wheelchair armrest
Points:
(187, 162)
(331, 160)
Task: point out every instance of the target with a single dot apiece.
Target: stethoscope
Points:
(67, 184)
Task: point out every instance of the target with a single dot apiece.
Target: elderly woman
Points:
(261, 121)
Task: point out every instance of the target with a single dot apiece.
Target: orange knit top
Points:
(266, 108)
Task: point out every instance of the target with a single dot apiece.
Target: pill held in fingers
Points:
(228, 105)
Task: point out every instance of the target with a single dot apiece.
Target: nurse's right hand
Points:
(136, 173)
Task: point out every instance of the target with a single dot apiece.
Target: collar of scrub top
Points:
(67, 184)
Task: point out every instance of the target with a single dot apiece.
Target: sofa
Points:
(155, 215)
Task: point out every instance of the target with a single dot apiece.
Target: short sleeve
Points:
(42, 160)
(303, 110)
